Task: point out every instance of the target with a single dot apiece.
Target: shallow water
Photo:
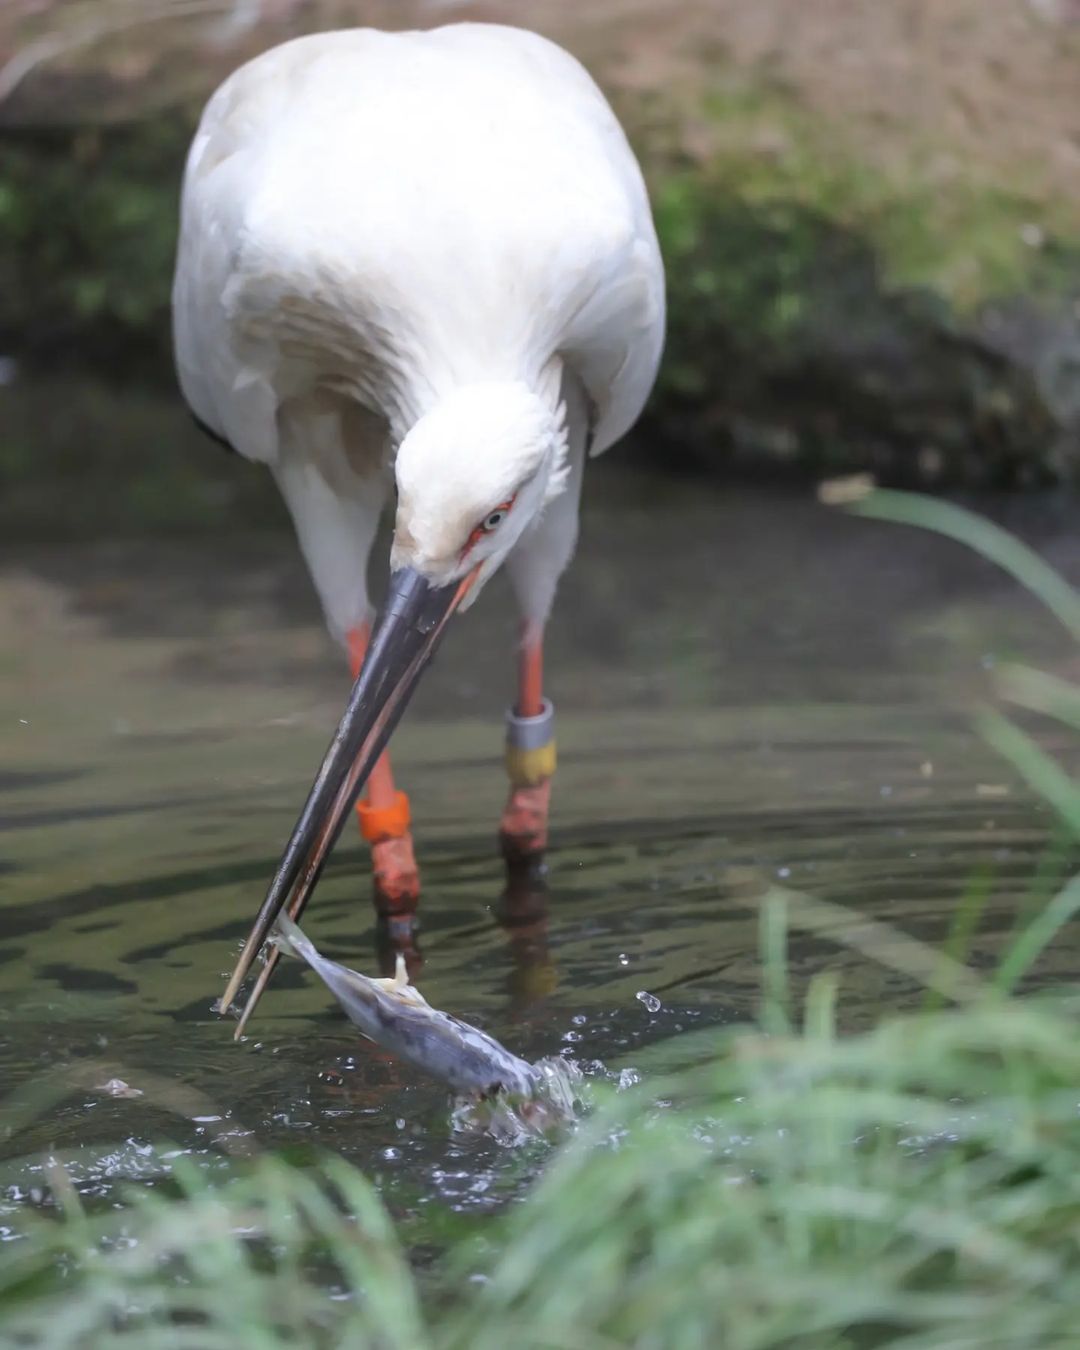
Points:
(750, 688)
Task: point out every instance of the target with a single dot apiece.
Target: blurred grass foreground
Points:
(914, 1186)
(868, 212)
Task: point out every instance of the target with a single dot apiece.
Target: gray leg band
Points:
(531, 733)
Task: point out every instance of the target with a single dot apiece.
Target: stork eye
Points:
(489, 524)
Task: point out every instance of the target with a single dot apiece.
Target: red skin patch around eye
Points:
(479, 532)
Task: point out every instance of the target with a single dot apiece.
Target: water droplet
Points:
(783, 871)
(579, 1019)
(649, 1000)
(624, 960)
(627, 1078)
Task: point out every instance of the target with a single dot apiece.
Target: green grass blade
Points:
(965, 921)
(1033, 941)
(1040, 692)
(883, 943)
(776, 992)
(1035, 766)
(994, 543)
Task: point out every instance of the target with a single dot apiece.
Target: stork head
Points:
(472, 473)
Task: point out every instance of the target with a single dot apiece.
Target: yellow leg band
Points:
(527, 768)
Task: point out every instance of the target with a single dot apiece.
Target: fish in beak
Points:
(396, 1016)
(407, 633)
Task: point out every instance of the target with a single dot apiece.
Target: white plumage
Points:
(426, 256)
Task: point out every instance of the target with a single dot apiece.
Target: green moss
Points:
(823, 306)
(87, 234)
(933, 220)
(827, 311)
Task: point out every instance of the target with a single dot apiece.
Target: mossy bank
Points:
(843, 294)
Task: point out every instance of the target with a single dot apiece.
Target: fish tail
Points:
(289, 939)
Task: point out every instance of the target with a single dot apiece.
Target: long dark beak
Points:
(405, 637)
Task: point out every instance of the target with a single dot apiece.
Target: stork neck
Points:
(500, 420)
(438, 379)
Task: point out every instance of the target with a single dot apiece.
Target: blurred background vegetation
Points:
(869, 216)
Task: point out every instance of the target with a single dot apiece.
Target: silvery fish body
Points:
(395, 1015)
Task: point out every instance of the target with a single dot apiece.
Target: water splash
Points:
(558, 1101)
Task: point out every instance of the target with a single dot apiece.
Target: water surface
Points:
(751, 689)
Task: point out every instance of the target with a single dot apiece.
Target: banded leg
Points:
(384, 819)
(530, 756)
(534, 566)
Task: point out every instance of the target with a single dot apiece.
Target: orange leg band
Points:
(384, 822)
(384, 818)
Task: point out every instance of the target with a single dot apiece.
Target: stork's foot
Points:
(522, 913)
(398, 935)
(393, 862)
(523, 830)
(396, 877)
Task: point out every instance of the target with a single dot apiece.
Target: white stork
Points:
(417, 266)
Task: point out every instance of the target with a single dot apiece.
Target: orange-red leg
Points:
(523, 830)
(384, 820)
(530, 699)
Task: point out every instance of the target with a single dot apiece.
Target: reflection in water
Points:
(522, 911)
(750, 690)
(398, 935)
